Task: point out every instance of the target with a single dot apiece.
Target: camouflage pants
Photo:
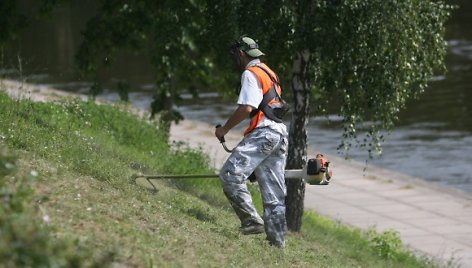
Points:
(263, 151)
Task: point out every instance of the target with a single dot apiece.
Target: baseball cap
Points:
(249, 46)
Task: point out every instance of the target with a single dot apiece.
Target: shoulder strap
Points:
(274, 79)
(269, 95)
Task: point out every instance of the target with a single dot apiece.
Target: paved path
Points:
(431, 220)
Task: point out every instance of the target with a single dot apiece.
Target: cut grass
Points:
(85, 154)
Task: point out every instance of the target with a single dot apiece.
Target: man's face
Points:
(238, 59)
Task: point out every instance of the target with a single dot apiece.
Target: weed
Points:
(387, 244)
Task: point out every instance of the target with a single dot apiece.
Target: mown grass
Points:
(85, 154)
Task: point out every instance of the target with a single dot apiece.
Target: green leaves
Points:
(168, 33)
(387, 244)
(367, 57)
(373, 56)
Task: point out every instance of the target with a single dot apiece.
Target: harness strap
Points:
(274, 79)
(268, 96)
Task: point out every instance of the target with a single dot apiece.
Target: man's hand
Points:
(220, 132)
(239, 115)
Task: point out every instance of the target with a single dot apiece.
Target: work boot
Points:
(276, 244)
(253, 228)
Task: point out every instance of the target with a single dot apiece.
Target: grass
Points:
(84, 155)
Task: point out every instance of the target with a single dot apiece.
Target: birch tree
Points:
(367, 57)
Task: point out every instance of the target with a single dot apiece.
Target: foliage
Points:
(26, 240)
(271, 23)
(166, 33)
(372, 56)
(388, 243)
(366, 58)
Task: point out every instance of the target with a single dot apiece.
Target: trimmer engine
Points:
(318, 170)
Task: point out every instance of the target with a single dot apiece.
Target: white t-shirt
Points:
(251, 94)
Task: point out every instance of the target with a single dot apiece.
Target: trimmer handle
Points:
(223, 142)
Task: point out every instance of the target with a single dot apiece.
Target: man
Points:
(263, 149)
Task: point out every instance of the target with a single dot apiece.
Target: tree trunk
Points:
(297, 149)
(163, 103)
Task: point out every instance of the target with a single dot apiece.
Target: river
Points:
(432, 140)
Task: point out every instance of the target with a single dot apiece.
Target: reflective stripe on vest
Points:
(266, 84)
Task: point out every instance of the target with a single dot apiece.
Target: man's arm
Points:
(237, 117)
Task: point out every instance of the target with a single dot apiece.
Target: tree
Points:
(370, 57)
(168, 33)
(374, 55)
(366, 56)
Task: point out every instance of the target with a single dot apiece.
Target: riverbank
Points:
(431, 221)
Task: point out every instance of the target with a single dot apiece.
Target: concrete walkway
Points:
(431, 221)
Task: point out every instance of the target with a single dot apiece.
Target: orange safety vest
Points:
(266, 84)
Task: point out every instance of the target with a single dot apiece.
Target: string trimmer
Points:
(315, 172)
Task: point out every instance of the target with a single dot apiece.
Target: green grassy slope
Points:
(84, 155)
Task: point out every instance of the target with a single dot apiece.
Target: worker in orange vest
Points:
(262, 151)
